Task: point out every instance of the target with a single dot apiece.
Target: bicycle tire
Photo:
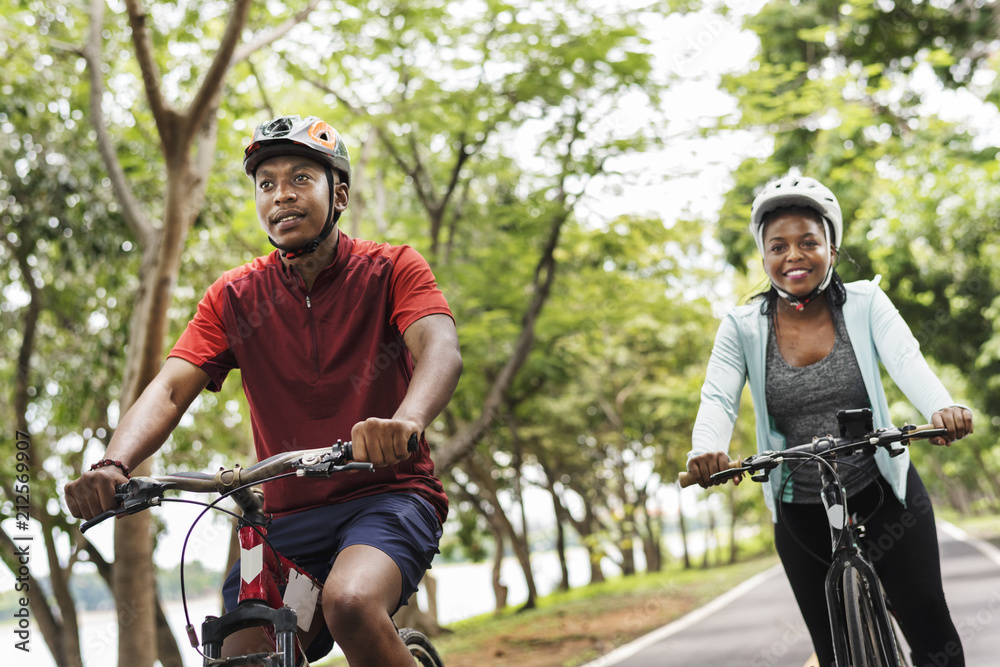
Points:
(862, 633)
(420, 647)
(894, 629)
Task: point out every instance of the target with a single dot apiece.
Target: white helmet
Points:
(796, 191)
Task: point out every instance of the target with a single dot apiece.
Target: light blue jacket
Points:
(877, 333)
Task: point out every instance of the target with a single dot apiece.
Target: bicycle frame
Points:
(847, 554)
(262, 572)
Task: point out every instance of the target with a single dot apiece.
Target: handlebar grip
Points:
(686, 479)
(411, 446)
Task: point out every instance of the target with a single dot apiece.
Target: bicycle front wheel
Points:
(862, 632)
(423, 652)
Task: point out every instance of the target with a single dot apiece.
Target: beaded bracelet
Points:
(108, 462)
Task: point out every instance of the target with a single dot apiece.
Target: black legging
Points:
(902, 544)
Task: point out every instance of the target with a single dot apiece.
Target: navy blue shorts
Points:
(402, 525)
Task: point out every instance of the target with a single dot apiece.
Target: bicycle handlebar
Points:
(767, 461)
(141, 493)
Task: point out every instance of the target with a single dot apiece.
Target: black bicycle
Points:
(861, 624)
(275, 593)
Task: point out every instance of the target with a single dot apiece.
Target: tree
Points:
(186, 143)
(850, 94)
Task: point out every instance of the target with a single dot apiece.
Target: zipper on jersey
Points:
(313, 334)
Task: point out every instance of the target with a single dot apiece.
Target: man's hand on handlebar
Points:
(383, 442)
(94, 492)
(702, 467)
(956, 419)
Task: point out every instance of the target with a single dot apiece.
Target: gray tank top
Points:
(803, 402)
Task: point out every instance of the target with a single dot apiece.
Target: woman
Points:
(809, 348)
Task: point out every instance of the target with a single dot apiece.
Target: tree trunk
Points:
(684, 537)
(627, 543)
(50, 626)
(359, 199)
(561, 551)
(957, 495)
(709, 539)
(499, 589)
(562, 517)
(186, 182)
(651, 542)
(587, 528)
(170, 655)
(987, 473)
(133, 577)
(733, 544)
(498, 518)
(59, 580)
(595, 558)
(412, 616)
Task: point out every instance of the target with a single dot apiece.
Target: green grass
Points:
(985, 526)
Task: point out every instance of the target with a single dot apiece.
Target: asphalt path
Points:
(758, 625)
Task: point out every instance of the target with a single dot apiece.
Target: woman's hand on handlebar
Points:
(94, 492)
(703, 466)
(383, 442)
(956, 419)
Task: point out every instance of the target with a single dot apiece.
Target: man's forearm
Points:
(435, 377)
(144, 428)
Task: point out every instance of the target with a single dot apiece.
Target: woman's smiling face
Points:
(797, 254)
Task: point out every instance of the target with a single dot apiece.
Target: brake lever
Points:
(764, 465)
(327, 464)
(87, 525)
(339, 459)
(132, 497)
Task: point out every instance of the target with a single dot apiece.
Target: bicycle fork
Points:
(260, 602)
(251, 614)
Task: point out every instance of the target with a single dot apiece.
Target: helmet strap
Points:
(331, 220)
(800, 304)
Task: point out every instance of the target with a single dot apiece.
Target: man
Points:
(334, 337)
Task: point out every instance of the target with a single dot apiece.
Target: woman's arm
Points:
(725, 378)
(900, 353)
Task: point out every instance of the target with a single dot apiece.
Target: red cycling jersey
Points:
(314, 363)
